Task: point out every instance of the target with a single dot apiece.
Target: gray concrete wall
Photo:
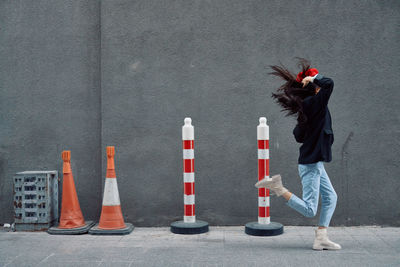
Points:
(50, 94)
(164, 60)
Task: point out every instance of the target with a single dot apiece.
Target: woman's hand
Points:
(307, 80)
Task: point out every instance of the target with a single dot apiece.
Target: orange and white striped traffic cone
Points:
(71, 219)
(111, 219)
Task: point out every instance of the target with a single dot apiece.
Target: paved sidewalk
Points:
(222, 246)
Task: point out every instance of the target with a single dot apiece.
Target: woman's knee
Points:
(334, 195)
(311, 211)
(334, 198)
(330, 198)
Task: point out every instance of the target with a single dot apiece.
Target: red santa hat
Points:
(310, 72)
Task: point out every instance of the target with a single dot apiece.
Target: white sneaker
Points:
(274, 184)
(322, 241)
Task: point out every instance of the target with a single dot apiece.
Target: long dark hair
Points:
(291, 94)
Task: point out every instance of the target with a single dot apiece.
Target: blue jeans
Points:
(315, 179)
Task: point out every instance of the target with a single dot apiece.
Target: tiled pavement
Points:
(222, 246)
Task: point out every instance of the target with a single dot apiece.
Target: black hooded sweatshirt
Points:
(316, 135)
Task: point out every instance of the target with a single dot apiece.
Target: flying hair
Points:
(291, 94)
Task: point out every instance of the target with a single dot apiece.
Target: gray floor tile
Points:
(222, 246)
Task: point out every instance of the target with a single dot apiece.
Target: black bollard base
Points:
(181, 227)
(273, 228)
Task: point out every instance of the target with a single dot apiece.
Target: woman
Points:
(306, 96)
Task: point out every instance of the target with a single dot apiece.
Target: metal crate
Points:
(35, 200)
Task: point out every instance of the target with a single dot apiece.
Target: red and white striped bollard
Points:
(189, 225)
(188, 171)
(264, 226)
(263, 170)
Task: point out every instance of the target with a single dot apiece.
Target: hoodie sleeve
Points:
(326, 85)
(299, 134)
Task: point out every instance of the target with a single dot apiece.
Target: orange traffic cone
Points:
(111, 219)
(71, 219)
